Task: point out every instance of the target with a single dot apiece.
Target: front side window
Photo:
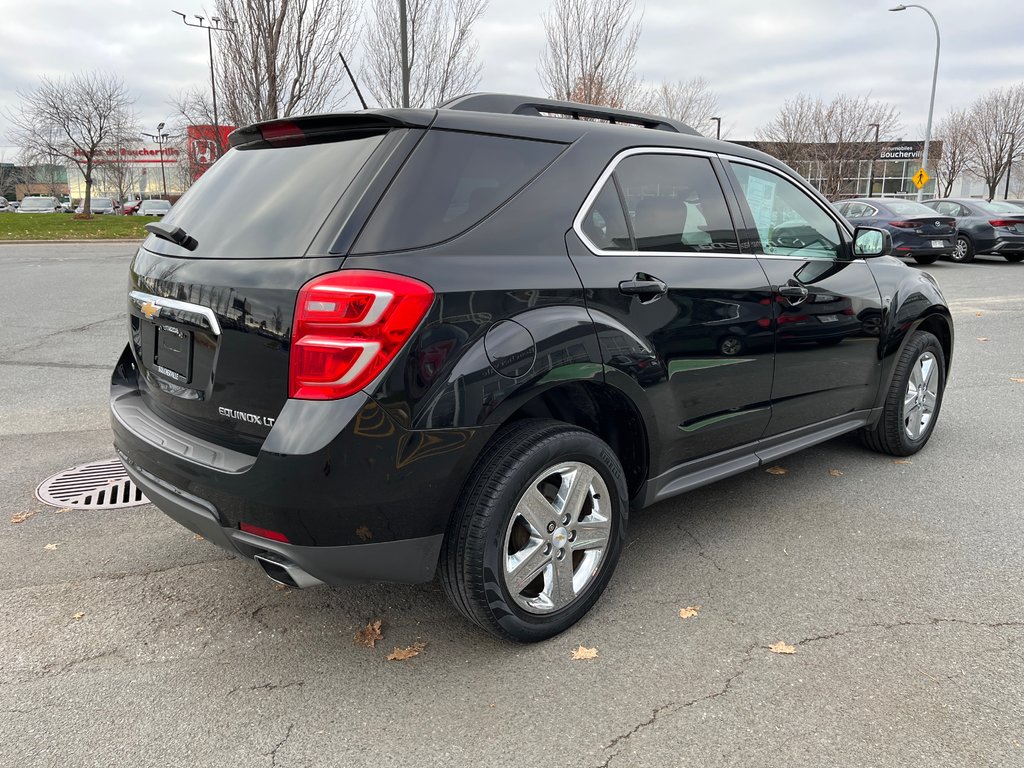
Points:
(788, 220)
(676, 204)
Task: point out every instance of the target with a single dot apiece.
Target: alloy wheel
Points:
(557, 537)
(921, 396)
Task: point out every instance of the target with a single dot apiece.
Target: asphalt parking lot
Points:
(900, 586)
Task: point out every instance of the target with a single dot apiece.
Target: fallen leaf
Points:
(21, 517)
(781, 647)
(197, 537)
(64, 509)
(835, 473)
(776, 470)
(689, 611)
(983, 338)
(281, 587)
(1017, 381)
(364, 533)
(369, 635)
(978, 314)
(584, 653)
(79, 616)
(902, 461)
(50, 547)
(401, 654)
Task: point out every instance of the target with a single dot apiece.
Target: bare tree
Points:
(73, 119)
(118, 175)
(442, 52)
(827, 139)
(956, 132)
(280, 57)
(689, 101)
(591, 52)
(998, 129)
(11, 175)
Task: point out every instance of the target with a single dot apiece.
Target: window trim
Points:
(588, 201)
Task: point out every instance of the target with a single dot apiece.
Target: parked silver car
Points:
(39, 205)
(153, 208)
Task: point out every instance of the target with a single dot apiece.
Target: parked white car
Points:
(153, 208)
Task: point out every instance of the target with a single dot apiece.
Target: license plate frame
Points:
(939, 244)
(172, 353)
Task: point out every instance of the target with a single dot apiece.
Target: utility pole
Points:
(718, 127)
(1009, 166)
(871, 169)
(403, 25)
(210, 29)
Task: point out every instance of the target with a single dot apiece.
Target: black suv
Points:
(486, 334)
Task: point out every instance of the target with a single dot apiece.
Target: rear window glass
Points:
(451, 182)
(265, 203)
(998, 207)
(909, 208)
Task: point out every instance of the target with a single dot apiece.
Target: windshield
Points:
(157, 205)
(102, 202)
(910, 208)
(999, 207)
(36, 204)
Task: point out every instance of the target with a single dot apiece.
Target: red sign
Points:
(203, 146)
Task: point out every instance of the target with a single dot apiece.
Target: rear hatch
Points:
(211, 322)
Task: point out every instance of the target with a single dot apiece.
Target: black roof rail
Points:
(510, 104)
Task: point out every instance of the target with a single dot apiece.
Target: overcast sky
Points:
(755, 53)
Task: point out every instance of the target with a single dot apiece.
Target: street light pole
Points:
(871, 167)
(1009, 166)
(210, 29)
(718, 127)
(935, 77)
(160, 138)
(403, 27)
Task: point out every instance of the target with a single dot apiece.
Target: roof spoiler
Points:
(509, 104)
(318, 128)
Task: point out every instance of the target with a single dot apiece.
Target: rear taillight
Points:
(904, 224)
(1004, 222)
(265, 533)
(348, 326)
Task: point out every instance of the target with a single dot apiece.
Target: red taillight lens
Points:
(283, 133)
(266, 533)
(348, 326)
(904, 224)
(1004, 222)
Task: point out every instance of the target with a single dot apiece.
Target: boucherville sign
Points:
(125, 155)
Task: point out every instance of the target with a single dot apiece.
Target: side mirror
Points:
(870, 241)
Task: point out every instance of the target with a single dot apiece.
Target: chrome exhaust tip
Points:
(283, 571)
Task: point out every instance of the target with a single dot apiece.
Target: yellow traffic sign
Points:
(920, 178)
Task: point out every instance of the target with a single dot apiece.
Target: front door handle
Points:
(646, 287)
(793, 293)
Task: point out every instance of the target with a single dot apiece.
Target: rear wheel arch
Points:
(602, 409)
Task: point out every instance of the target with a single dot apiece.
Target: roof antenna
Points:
(350, 77)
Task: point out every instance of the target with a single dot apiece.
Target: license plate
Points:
(939, 243)
(828, 318)
(173, 356)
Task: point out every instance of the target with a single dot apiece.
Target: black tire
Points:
(963, 250)
(1014, 258)
(927, 258)
(890, 434)
(472, 556)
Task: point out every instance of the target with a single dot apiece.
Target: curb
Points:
(61, 242)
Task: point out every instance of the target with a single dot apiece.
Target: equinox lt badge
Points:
(250, 418)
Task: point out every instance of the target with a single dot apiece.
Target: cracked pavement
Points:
(901, 587)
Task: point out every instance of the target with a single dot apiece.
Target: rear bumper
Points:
(356, 497)
(1008, 245)
(406, 560)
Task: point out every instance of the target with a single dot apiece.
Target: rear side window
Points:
(265, 203)
(605, 223)
(675, 204)
(451, 182)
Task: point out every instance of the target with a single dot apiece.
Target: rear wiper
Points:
(175, 235)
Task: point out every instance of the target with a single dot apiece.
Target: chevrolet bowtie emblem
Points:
(150, 310)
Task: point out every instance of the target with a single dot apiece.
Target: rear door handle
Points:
(646, 287)
(793, 293)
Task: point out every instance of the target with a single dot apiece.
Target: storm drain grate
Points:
(97, 485)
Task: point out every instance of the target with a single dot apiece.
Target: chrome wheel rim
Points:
(557, 537)
(921, 396)
(960, 250)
